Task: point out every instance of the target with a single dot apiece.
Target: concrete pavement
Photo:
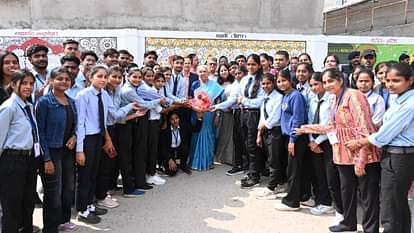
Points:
(206, 202)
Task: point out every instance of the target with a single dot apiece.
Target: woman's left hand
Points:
(352, 145)
(216, 120)
(299, 131)
(291, 148)
(109, 149)
(359, 171)
(70, 144)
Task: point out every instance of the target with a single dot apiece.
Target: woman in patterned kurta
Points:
(358, 169)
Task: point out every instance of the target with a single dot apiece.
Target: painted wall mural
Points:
(204, 48)
(19, 45)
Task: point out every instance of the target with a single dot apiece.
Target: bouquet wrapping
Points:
(201, 102)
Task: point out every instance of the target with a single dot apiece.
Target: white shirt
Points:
(231, 99)
(273, 110)
(155, 113)
(175, 137)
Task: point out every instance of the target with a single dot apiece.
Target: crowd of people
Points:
(330, 140)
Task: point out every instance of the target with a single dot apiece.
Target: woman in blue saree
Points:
(203, 142)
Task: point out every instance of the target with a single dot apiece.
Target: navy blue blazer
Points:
(193, 77)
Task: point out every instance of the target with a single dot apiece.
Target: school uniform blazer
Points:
(185, 135)
(193, 77)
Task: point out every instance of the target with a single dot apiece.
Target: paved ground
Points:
(204, 202)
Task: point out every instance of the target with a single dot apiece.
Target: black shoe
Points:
(99, 211)
(266, 172)
(91, 219)
(235, 171)
(145, 187)
(342, 228)
(36, 229)
(38, 202)
(186, 170)
(249, 183)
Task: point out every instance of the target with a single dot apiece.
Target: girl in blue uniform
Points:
(396, 138)
(19, 149)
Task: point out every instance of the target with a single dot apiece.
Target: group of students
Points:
(317, 135)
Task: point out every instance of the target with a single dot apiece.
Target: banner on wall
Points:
(204, 48)
(385, 52)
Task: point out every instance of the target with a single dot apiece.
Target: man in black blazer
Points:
(175, 143)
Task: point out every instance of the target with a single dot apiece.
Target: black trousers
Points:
(396, 177)
(185, 121)
(153, 138)
(240, 152)
(87, 175)
(140, 132)
(368, 187)
(327, 176)
(249, 123)
(18, 186)
(58, 189)
(309, 182)
(294, 171)
(107, 168)
(125, 154)
(180, 153)
(273, 144)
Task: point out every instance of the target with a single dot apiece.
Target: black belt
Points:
(17, 152)
(399, 150)
(250, 109)
(275, 130)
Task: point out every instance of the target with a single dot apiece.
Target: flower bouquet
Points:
(201, 102)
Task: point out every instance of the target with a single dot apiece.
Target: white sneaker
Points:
(107, 203)
(283, 207)
(155, 180)
(338, 218)
(112, 197)
(322, 209)
(308, 203)
(266, 194)
(281, 195)
(281, 188)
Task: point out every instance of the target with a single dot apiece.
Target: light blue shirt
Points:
(398, 124)
(15, 126)
(305, 90)
(273, 109)
(80, 80)
(324, 113)
(74, 90)
(251, 102)
(116, 100)
(231, 101)
(129, 95)
(377, 107)
(88, 113)
(180, 95)
(40, 81)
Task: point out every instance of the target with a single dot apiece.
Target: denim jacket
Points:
(51, 118)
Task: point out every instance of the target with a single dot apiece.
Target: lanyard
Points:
(40, 80)
(340, 99)
(32, 123)
(370, 93)
(176, 133)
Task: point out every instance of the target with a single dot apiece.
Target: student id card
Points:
(36, 149)
(333, 139)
